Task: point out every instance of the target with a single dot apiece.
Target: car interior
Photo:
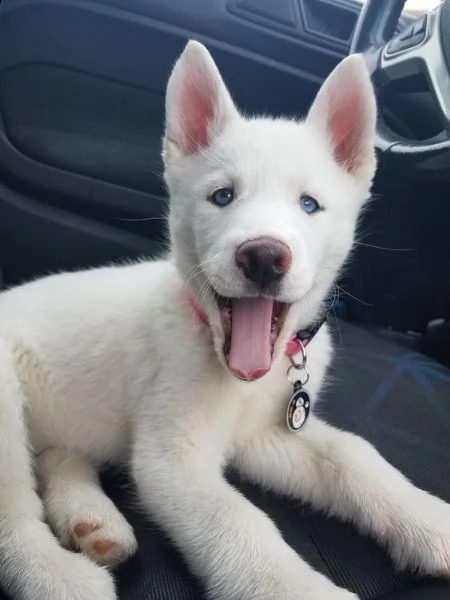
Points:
(82, 86)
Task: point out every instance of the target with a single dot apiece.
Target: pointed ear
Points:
(198, 104)
(345, 110)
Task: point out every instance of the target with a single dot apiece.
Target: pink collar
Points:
(293, 347)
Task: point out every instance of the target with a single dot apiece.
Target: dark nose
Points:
(264, 261)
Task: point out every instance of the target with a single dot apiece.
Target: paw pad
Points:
(102, 547)
(102, 543)
(83, 529)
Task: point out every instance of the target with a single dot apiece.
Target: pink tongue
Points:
(250, 353)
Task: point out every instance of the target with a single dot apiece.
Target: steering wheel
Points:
(422, 48)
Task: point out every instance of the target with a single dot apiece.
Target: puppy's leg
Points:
(79, 511)
(230, 544)
(33, 564)
(345, 475)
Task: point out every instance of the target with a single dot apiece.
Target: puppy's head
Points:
(263, 211)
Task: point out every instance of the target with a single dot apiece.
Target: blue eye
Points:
(223, 196)
(309, 204)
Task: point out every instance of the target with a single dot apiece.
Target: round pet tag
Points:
(297, 409)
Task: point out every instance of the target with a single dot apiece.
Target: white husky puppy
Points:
(178, 367)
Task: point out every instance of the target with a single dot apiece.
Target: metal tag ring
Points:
(302, 364)
(299, 379)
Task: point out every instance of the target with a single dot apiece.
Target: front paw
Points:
(420, 539)
(328, 592)
(321, 590)
(302, 592)
(281, 583)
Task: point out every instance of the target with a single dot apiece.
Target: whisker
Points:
(196, 265)
(196, 270)
(384, 248)
(139, 219)
(336, 321)
(354, 297)
(204, 291)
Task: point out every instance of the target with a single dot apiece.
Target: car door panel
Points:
(82, 95)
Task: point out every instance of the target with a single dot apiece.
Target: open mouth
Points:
(251, 328)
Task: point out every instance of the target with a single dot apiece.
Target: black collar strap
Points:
(305, 336)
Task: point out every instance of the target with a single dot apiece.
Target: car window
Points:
(417, 6)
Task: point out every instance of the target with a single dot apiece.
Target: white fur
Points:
(113, 365)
